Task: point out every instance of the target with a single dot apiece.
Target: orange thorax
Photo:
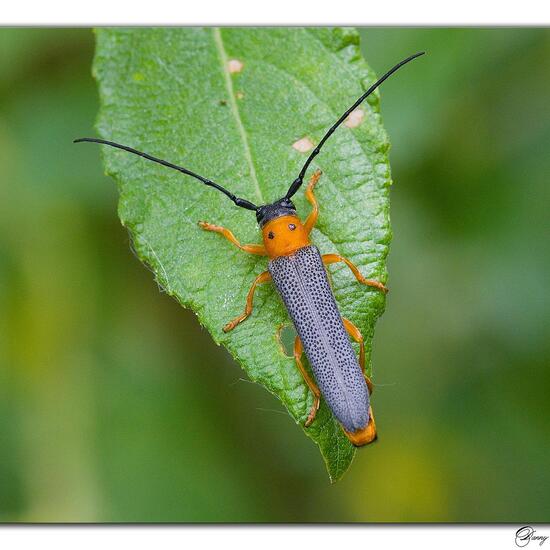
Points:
(283, 236)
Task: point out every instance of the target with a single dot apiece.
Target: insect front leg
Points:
(261, 278)
(311, 220)
(257, 249)
(335, 258)
(298, 351)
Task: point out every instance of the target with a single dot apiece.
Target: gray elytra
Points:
(302, 282)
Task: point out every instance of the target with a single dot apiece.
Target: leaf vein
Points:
(235, 110)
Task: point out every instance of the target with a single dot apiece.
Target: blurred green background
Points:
(116, 406)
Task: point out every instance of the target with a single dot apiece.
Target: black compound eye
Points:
(271, 235)
(291, 226)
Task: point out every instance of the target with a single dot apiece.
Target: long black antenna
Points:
(238, 201)
(299, 180)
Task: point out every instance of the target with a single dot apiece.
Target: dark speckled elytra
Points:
(302, 282)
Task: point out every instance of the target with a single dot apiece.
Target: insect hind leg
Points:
(355, 333)
(368, 434)
(298, 351)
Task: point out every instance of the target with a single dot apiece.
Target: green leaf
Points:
(170, 93)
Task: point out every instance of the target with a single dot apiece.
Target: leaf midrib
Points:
(218, 40)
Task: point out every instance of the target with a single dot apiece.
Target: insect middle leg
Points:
(335, 258)
(257, 249)
(298, 351)
(261, 278)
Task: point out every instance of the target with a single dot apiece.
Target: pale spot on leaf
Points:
(239, 95)
(355, 118)
(235, 66)
(303, 145)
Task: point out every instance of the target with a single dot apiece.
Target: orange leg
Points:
(298, 350)
(261, 278)
(334, 258)
(353, 331)
(311, 220)
(257, 249)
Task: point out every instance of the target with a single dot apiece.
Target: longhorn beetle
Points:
(297, 269)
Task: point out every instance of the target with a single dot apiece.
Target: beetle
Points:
(297, 269)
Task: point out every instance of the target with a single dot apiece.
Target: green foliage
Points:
(169, 92)
(114, 403)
